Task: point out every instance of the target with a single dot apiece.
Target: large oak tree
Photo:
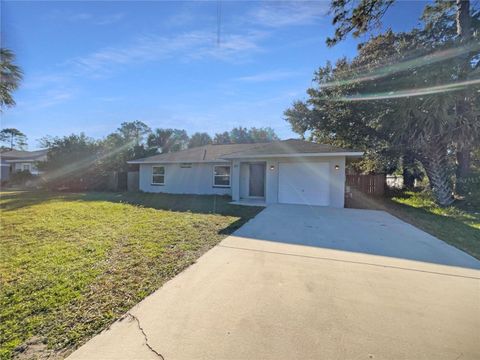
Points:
(454, 21)
(396, 96)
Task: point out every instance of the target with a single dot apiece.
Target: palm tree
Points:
(448, 21)
(419, 116)
(10, 77)
(425, 125)
(405, 108)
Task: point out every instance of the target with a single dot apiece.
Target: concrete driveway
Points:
(301, 282)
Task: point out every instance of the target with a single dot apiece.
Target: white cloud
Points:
(54, 97)
(45, 99)
(269, 76)
(109, 19)
(38, 81)
(181, 19)
(110, 98)
(279, 14)
(47, 90)
(75, 17)
(187, 46)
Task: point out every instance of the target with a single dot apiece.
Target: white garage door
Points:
(304, 183)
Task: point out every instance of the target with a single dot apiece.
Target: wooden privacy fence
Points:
(123, 181)
(117, 181)
(369, 184)
(132, 181)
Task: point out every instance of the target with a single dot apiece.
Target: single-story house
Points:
(290, 171)
(16, 160)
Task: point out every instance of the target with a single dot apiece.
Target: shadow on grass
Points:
(452, 226)
(198, 204)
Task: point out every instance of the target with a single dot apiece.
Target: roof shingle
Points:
(288, 147)
(20, 154)
(207, 153)
(219, 153)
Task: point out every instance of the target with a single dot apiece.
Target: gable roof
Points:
(222, 153)
(23, 155)
(292, 147)
(207, 153)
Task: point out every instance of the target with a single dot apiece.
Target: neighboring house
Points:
(16, 160)
(289, 171)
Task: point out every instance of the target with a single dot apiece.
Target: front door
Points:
(257, 180)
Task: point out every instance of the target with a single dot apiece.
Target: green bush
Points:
(21, 177)
(470, 187)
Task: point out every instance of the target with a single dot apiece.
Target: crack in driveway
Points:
(145, 336)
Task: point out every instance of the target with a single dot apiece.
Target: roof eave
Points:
(21, 160)
(176, 161)
(297, 155)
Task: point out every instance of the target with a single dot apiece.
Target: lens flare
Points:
(407, 93)
(429, 59)
(83, 163)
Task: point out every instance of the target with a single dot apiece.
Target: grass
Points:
(457, 225)
(70, 264)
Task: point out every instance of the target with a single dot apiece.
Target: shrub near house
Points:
(14, 161)
(23, 177)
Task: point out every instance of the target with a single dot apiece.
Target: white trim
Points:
(229, 176)
(249, 202)
(226, 158)
(296, 155)
(22, 160)
(177, 162)
(153, 175)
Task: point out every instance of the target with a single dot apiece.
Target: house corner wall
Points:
(235, 180)
(337, 182)
(271, 193)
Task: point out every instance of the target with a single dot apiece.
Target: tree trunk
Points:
(462, 171)
(435, 164)
(463, 20)
(407, 165)
(463, 163)
(464, 33)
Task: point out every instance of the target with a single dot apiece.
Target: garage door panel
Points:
(304, 183)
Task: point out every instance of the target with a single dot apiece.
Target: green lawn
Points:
(458, 225)
(70, 264)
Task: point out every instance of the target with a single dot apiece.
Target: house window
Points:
(158, 175)
(221, 176)
(26, 167)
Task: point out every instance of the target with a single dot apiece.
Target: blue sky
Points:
(88, 66)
